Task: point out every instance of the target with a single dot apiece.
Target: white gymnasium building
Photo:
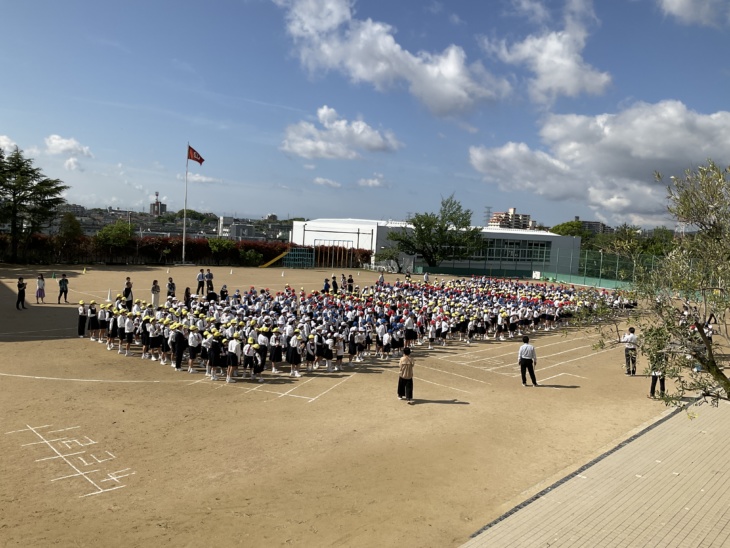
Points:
(508, 252)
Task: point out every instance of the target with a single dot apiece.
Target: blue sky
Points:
(370, 108)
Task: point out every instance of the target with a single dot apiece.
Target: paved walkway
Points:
(667, 486)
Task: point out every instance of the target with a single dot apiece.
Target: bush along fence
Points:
(163, 250)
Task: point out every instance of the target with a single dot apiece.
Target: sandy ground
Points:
(102, 450)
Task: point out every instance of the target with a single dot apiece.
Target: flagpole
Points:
(185, 205)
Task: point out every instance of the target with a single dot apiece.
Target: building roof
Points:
(398, 224)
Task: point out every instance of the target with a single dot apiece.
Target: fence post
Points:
(600, 269)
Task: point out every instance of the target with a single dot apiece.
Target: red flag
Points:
(194, 156)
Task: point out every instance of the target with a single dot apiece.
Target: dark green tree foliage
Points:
(28, 199)
(221, 248)
(70, 236)
(390, 254)
(571, 228)
(115, 238)
(439, 236)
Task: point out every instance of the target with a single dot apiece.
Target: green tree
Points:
(115, 238)
(69, 237)
(660, 243)
(28, 199)
(250, 257)
(690, 291)
(221, 248)
(438, 236)
(571, 228)
(390, 254)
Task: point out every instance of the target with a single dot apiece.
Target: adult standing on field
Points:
(21, 294)
(630, 340)
(155, 294)
(527, 359)
(209, 281)
(201, 282)
(63, 289)
(405, 377)
(170, 287)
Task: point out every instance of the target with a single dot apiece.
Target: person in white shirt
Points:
(195, 340)
(527, 360)
(234, 357)
(630, 341)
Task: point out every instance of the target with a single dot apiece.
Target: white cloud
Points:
(609, 160)
(330, 38)
(55, 144)
(555, 57)
(309, 166)
(454, 19)
(532, 10)
(7, 144)
(703, 12)
(435, 7)
(198, 178)
(376, 181)
(72, 164)
(326, 182)
(337, 138)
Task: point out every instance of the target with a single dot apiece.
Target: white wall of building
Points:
(373, 235)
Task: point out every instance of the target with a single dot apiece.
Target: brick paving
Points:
(667, 486)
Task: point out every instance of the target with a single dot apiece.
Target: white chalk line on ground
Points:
(558, 364)
(288, 392)
(83, 380)
(506, 354)
(431, 382)
(452, 373)
(542, 381)
(113, 476)
(332, 387)
(494, 369)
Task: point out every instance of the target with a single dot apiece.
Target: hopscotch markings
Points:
(61, 430)
(331, 388)
(66, 443)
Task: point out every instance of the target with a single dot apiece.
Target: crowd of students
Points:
(248, 333)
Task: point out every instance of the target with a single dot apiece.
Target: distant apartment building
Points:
(75, 209)
(157, 208)
(234, 229)
(595, 227)
(512, 219)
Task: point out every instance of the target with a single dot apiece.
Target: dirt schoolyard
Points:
(103, 450)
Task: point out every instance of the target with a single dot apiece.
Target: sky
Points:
(371, 109)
